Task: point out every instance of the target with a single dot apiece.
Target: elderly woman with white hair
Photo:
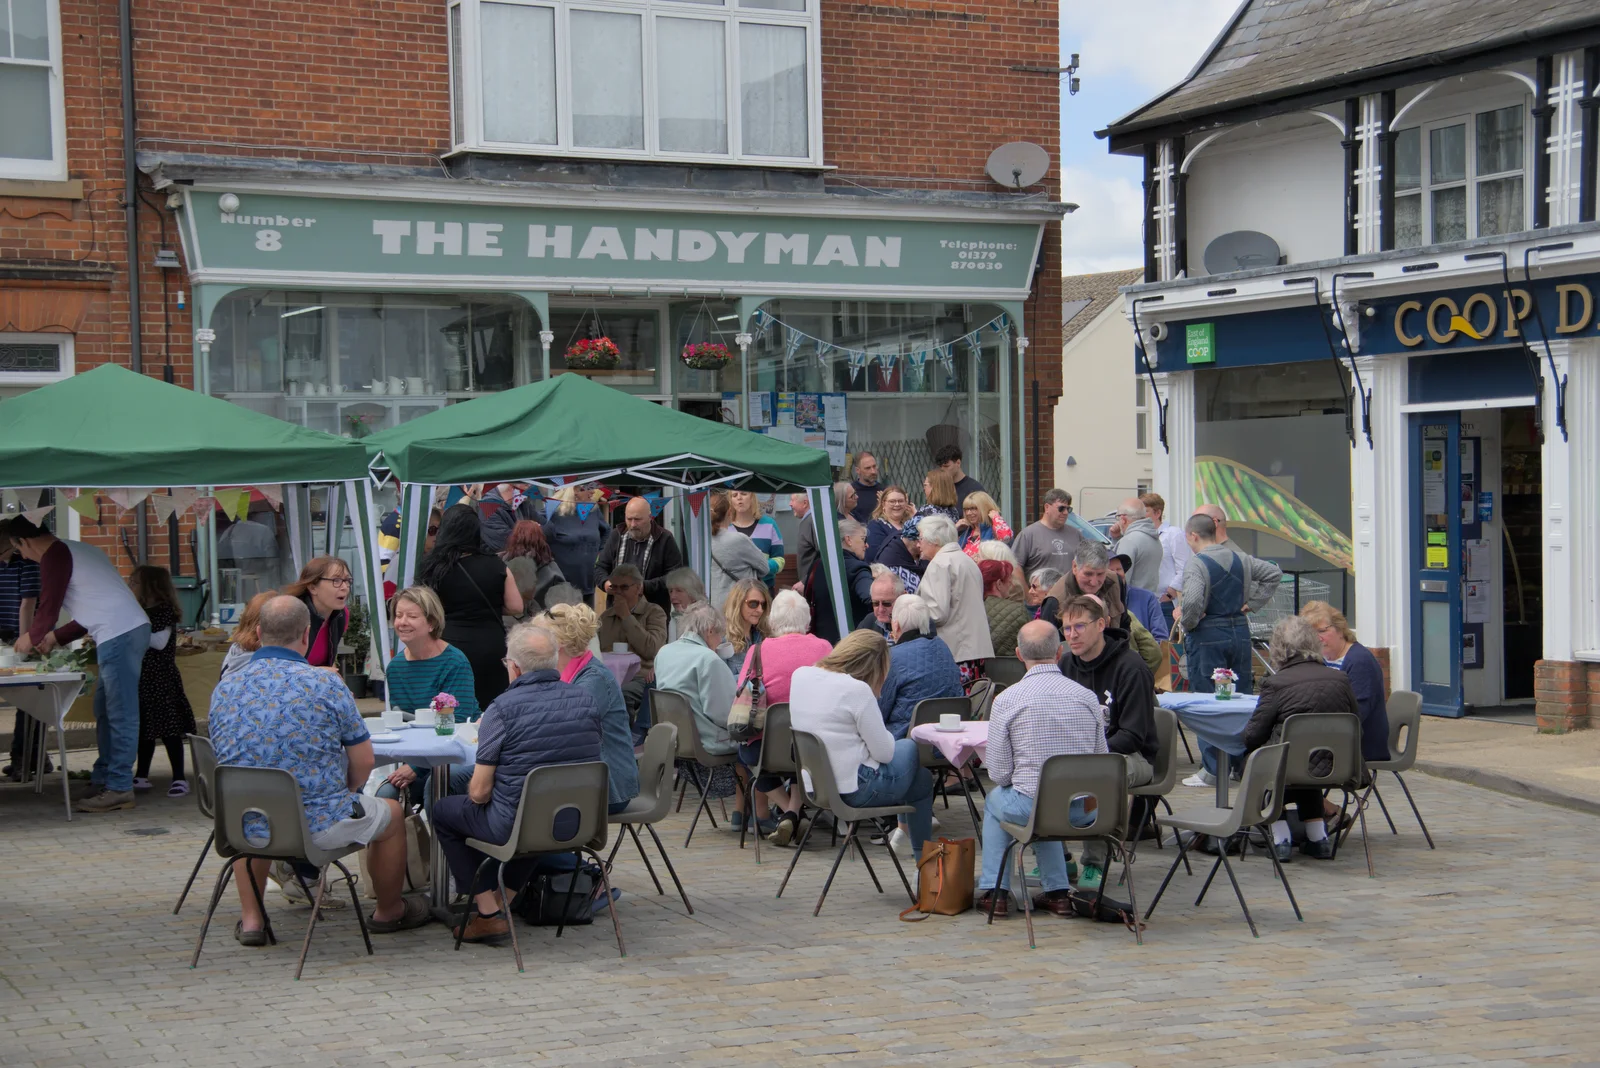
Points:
(1302, 683)
(857, 583)
(920, 665)
(953, 587)
(768, 666)
(574, 626)
(684, 588)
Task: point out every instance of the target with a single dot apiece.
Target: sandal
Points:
(179, 788)
(418, 913)
(141, 784)
(248, 938)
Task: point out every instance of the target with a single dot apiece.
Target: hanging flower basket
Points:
(706, 356)
(593, 354)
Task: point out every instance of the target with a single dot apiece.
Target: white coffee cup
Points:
(393, 717)
(950, 721)
(425, 717)
(619, 647)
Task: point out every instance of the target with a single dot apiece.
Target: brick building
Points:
(379, 209)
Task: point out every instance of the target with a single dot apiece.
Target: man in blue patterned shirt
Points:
(278, 711)
(1039, 717)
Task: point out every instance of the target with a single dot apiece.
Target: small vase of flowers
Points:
(706, 355)
(593, 354)
(1223, 679)
(444, 705)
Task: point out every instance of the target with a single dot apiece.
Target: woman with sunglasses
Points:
(745, 611)
(324, 588)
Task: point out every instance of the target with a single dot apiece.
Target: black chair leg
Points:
(200, 860)
(1284, 879)
(611, 905)
(899, 869)
(861, 848)
(1373, 792)
(849, 839)
(1133, 898)
(704, 806)
(316, 910)
(1223, 856)
(996, 891)
(216, 896)
(1414, 810)
(470, 905)
(355, 902)
(1212, 875)
(505, 905)
(1181, 858)
(670, 869)
(266, 921)
(634, 831)
(972, 806)
(572, 890)
(794, 859)
(1022, 891)
(1184, 738)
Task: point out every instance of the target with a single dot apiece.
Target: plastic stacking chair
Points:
(1102, 776)
(981, 697)
(547, 793)
(777, 758)
(1339, 735)
(273, 793)
(670, 706)
(1405, 720)
(203, 759)
(1257, 804)
(652, 803)
(1004, 671)
(823, 793)
(928, 711)
(1166, 770)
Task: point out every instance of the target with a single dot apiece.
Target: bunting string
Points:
(942, 352)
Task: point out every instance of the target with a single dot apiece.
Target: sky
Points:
(1130, 51)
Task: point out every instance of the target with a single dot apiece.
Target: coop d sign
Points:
(373, 240)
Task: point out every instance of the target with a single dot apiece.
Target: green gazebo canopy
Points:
(111, 427)
(572, 426)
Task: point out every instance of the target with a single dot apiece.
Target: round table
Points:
(1215, 722)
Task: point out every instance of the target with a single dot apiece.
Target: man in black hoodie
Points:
(1100, 659)
(647, 545)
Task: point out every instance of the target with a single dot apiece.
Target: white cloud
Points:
(1104, 234)
(1151, 42)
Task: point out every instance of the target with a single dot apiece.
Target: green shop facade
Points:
(353, 307)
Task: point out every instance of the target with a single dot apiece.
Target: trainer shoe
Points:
(1201, 778)
(1091, 877)
(786, 830)
(1285, 851)
(1319, 850)
(107, 801)
(900, 842)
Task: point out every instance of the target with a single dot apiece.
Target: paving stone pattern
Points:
(1480, 953)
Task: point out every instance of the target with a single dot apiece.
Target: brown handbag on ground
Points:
(946, 878)
(419, 856)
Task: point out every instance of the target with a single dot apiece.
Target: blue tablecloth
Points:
(421, 746)
(1216, 723)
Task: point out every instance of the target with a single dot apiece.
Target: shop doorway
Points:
(1476, 559)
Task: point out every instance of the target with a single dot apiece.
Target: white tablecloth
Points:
(48, 699)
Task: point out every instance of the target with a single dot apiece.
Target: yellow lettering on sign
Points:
(1406, 308)
(1524, 308)
(1565, 324)
(1486, 302)
(1441, 337)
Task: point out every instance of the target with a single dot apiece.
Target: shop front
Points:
(355, 310)
(1422, 457)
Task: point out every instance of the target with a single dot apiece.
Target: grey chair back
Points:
(551, 791)
(981, 698)
(1004, 671)
(655, 774)
(275, 794)
(203, 759)
(1336, 733)
(928, 711)
(670, 706)
(1405, 719)
(1066, 776)
(1166, 765)
(1260, 795)
(823, 791)
(777, 742)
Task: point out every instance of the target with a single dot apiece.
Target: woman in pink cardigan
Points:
(788, 649)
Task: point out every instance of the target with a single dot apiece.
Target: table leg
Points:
(439, 882)
(1224, 772)
(66, 781)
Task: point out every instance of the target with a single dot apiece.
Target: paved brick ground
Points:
(1449, 957)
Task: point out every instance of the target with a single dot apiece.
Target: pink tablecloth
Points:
(623, 665)
(957, 746)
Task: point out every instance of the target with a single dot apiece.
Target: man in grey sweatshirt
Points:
(1138, 539)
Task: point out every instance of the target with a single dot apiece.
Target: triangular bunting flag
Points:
(163, 506)
(128, 499)
(86, 505)
(240, 504)
(856, 359)
(37, 516)
(887, 360)
(695, 501)
(792, 344)
(584, 510)
(183, 498)
(203, 506)
(274, 496)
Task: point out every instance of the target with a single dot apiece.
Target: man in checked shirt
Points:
(1039, 717)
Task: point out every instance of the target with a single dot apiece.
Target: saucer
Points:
(950, 730)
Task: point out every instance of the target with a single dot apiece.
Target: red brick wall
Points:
(1566, 694)
(914, 92)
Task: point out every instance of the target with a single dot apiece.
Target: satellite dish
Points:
(1017, 165)
(1240, 251)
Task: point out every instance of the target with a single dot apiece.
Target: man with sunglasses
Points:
(1052, 541)
(886, 588)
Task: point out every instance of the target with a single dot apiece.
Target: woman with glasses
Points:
(1038, 600)
(324, 587)
(745, 612)
(476, 590)
(894, 508)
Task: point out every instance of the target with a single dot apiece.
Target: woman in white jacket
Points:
(733, 556)
(953, 587)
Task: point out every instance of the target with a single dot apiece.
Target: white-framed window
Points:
(1141, 415)
(728, 81)
(1462, 177)
(28, 360)
(33, 136)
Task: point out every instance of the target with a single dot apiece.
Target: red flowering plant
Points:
(706, 355)
(593, 354)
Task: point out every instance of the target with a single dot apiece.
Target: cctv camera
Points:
(1158, 331)
(228, 202)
